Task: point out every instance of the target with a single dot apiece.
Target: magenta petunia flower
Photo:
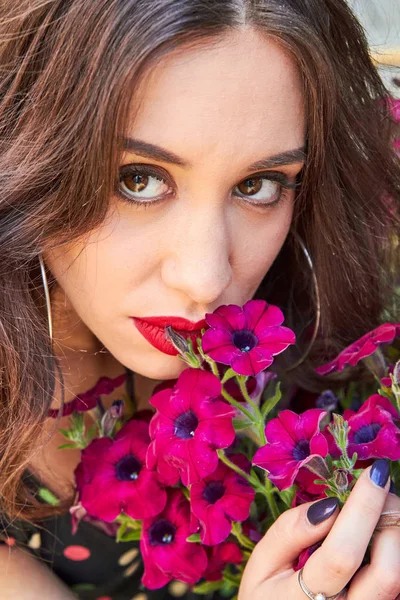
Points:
(373, 433)
(218, 557)
(220, 498)
(246, 338)
(292, 441)
(166, 553)
(89, 399)
(112, 476)
(191, 423)
(365, 346)
(307, 490)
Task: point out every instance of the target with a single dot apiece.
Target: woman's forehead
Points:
(243, 95)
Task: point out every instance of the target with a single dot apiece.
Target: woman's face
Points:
(198, 223)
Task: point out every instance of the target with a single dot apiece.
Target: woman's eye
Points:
(260, 190)
(142, 185)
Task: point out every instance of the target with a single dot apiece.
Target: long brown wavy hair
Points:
(68, 68)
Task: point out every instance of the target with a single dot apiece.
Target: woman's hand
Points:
(269, 573)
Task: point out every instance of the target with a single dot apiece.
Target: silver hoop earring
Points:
(46, 295)
(318, 305)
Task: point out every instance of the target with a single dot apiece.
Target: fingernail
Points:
(380, 472)
(392, 489)
(322, 510)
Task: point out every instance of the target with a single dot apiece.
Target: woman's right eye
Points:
(142, 185)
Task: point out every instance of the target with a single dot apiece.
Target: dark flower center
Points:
(367, 433)
(161, 532)
(128, 468)
(213, 492)
(186, 425)
(301, 450)
(245, 340)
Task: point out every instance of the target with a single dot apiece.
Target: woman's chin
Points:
(154, 364)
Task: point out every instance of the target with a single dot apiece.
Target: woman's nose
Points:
(198, 258)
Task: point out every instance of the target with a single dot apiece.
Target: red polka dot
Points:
(10, 541)
(104, 598)
(76, 553)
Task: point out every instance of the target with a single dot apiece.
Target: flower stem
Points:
(266, 490)
(237, 404)
(231, 579)
(257, 412)
(241, 537)
(269, 493)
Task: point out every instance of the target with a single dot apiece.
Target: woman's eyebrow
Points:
(148, 150)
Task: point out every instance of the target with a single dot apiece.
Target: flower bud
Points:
(341, 480)
(183, 346)
(111, 416)
(77, 513)
(396, 384)
(396, 373)
(340, 430)
(318, 466)
(177, 340)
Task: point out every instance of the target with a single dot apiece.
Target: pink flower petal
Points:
(234, 315)
(250, 363)
(281, 429)
(272, 317)
(276, 339)
(254, 311)
(275, 459)
(309, 422)
(222, 354)
(218, 321)
(319, 445)
(216, 527)
(153, 577)
(218, 433)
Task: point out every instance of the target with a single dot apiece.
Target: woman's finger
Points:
(331, 567)
(381, 578)
(295, 530)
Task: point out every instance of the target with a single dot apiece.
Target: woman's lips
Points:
(153, 330)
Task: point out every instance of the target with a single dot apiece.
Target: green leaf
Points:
(71, 446)
(240, 424)
(67, 433)
(331, 493)
(229, 373)
(208, 586)
(128, 521)
(130, 536)
(48, 496)
(91, 433)
(270, 403)
(195, 537)
(121, 531)
(320, 481)
(186, 493)
(288, 495)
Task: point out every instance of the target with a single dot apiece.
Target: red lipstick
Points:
(153, 330)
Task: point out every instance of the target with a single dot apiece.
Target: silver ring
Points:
(310, 594)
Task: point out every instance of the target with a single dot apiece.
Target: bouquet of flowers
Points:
(200, 480)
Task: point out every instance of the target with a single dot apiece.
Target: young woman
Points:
(161, 158)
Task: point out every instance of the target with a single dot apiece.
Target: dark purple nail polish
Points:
(322, 510)
(380, 472)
